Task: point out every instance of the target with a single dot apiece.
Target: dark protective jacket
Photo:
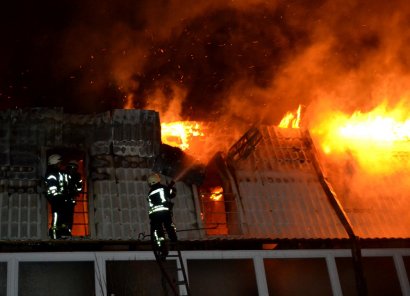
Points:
(56, 182)
(159, 198)
(75, 183)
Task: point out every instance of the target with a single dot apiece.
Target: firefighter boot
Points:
(163, 252)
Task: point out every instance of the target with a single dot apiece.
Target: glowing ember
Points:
(179, 133)
(372, 138)
(217, 193)
(291, 119)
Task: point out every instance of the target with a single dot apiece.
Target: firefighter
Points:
(74, 187)
(56, 184)
(160, 213)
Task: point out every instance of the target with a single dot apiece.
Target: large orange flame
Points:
(180, 133)
(291, 119)
(372, 138)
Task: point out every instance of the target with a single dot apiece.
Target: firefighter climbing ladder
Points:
(179, 287)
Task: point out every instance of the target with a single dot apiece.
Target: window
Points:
(406, 261)
(213, 210)
(56, 278)
(219, 210)
(234, 277)
(297, 277)
(379, 272)
(3, 278)
(80, 225)
(138, 278)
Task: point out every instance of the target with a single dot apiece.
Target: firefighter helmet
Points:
(54, 159)
(154, 179)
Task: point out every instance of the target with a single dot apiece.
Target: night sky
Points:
(45, 63)
(250, 59)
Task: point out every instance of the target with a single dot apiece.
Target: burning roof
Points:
(270, 184)
(361, 156)
(281, 195)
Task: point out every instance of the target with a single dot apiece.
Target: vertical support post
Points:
(260, 275)
(401, 274)
(100, 276)
(12, 277)
(334, 276)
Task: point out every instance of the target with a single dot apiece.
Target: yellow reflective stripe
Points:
(161, 194)
(158, 208)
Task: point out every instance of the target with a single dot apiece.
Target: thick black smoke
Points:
(216, 50)
(252, 59)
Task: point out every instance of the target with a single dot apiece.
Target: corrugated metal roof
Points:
(121, 209)
(379, 209)
(20, 216)
(282, 196)
(280, 190)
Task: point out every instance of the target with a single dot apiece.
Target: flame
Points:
(216, 193)
(291, 119)
(129, 102)
(372, 137)
(180, 133)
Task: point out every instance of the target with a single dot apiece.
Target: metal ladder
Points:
(179, 287)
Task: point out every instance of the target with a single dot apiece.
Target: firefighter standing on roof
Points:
(160, 207)
(56, 182)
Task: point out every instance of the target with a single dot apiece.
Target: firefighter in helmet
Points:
(56, 182)
(160, 213)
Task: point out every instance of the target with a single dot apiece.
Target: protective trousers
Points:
(62, 215)
(159, 221)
